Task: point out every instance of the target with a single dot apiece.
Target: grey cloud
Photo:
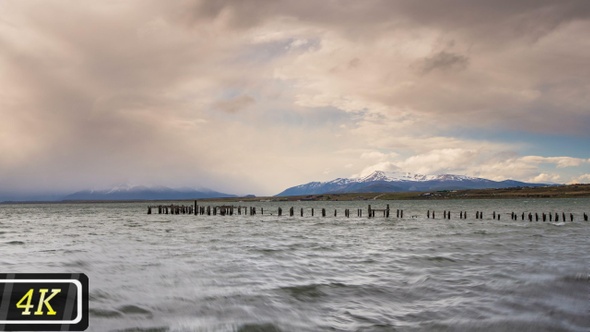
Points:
(241, 14)
(480, 21)
(444, 61)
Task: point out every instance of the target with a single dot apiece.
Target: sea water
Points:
(280, 273)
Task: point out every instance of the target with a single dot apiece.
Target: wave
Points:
(258, 327)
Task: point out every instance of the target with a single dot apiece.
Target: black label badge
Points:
(43, 302)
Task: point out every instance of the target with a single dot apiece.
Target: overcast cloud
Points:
(253, 96)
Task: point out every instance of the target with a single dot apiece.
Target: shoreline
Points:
(558, 191)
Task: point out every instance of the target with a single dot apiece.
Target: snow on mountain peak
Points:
(407, 176)
(391, 176)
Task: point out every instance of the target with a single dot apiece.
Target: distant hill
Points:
(383, 182)
(144, 193)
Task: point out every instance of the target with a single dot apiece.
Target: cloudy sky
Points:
(253, 96)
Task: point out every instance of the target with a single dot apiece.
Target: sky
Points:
(254, 96)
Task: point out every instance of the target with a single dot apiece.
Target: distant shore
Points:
(558, 191)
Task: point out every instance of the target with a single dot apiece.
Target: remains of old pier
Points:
(230, 210)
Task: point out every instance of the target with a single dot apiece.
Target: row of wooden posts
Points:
(371, 212)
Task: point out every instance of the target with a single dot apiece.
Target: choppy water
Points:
(269, 273)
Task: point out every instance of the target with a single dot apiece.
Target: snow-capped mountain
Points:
(130, 192)
(380, 181)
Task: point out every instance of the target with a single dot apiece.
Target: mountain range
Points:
(128, 192)
(380, 181)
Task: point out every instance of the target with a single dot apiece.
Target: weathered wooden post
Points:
(302, 212)
(585, 217)
(571, 217)
(323, 212)
(556, 217)
(387, 211)
(149, 210)
(335, 212)
(312, 212)
(291, 212)
(280, 212)
(369, 210)
(428, 214)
